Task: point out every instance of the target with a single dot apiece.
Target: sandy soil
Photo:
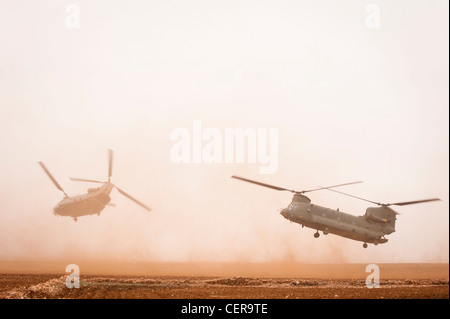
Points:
(224, 281)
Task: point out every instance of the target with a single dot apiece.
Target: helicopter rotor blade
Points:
(263, 184)
(328, 187)
(133, 199)
(84, 180)
(414, 202)
(376, 203)
(110, 163)
(389, 204)
(52, 178)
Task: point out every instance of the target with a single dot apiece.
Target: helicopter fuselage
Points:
(370, 228)
(91, 203)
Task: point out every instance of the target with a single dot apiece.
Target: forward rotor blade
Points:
(415, 202)
(84, 180)
(328, 187)
(51, 177)
(263, 184)
(133, 199)
(110, 154)
(333, 190)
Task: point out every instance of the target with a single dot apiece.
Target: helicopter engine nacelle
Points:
(376, 219)
(91, 190)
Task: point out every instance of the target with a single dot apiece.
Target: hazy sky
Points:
(350, 102)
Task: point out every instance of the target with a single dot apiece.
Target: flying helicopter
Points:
(369, 228)
(91, 203)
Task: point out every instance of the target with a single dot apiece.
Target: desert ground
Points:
(109, 280)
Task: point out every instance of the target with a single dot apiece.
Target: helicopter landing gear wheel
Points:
(316, 235)
(365, 245)
(375, 242)
(326, 231)
(75, 219)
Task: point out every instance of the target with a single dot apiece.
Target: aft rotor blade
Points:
(84, 180)
(415, 202)
(52, 178)
(263, 184)
(333, 190)
(133, 199)
(110, 163)
(328, 187)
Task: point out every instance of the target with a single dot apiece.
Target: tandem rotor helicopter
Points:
(369, 228)
(91, 203)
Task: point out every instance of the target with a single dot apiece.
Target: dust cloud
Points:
(349, 103)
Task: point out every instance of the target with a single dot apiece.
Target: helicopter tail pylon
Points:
(110, 163)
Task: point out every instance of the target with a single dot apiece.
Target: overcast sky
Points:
(358, 90)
